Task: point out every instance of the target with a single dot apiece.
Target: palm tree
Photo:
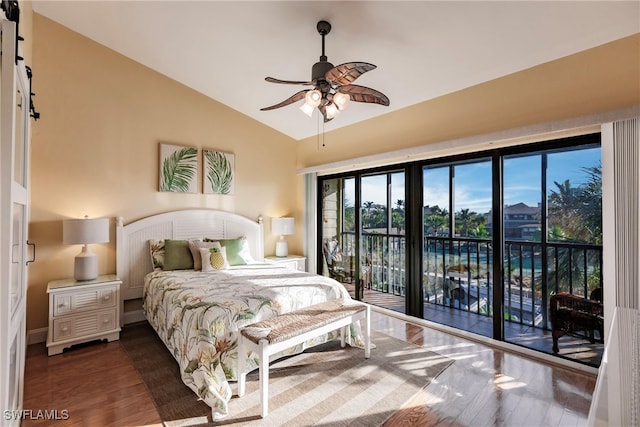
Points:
(397, 216)
(591, 201)
(575, 214)
(577, 211)
(436, 220)
(366, 215)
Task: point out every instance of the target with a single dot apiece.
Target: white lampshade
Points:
(307, 109)
(311, 100)
(331, 110)
(84, 232)
(313, 97)
(341, 100)
(282, 227)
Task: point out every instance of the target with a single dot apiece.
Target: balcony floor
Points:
(571, 347)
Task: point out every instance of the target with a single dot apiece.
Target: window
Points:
(498, 232)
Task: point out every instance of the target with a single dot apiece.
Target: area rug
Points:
(326, 385)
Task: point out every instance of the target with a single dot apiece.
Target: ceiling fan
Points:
(332, 86)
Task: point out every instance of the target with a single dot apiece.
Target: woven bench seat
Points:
(286, 330)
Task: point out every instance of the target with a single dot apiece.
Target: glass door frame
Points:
(414, 215)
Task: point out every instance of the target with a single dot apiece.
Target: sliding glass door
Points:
(363, 236)
(457, 251)
(382, 234)
(480, 242)
(553, 236)
(338, 231)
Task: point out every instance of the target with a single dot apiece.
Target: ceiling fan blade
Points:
(364, 94)
(288, 82)
(346, 73)
(293, 98)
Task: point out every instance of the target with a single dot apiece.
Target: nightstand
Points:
(293, 262)
(82, 311)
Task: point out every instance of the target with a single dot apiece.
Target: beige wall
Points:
(600, 79)
(95, 152)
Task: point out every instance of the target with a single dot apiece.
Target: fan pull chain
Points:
(318, 133)
(323, 133)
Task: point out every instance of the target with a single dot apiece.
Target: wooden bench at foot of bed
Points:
(286, 330)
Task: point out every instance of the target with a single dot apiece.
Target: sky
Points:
(522, 176)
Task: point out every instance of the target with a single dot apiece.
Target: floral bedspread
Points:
(198, 315)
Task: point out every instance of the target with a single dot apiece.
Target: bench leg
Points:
(264, 378)
(242, 369)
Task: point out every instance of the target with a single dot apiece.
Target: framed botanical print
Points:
(178, 168)
(218, 174)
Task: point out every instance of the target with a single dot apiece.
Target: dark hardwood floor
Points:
(93, 384)
(96, 385)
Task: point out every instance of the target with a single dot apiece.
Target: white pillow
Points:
(208, 265)
(194, 246)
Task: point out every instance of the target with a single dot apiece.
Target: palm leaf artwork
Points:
(219, 172)
(179, 170)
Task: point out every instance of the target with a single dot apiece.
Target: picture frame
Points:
(178, 169)
(218, 176)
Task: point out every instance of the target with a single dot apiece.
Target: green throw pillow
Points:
(238, 252)
(177, 255)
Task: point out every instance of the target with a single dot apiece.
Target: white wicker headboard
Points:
(133, 260)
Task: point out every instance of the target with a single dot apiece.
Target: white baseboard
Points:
(133, 316)
(36, 336)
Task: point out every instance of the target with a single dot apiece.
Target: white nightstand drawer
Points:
(91, 299)
(291, 265)
(292, 262)
(84, 325)
(81, 311)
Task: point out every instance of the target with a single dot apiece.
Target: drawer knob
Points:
(106, 297)
(105, 320)
(64, 329)
(62, 305)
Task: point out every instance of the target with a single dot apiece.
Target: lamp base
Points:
(282, 248)
(86, 265)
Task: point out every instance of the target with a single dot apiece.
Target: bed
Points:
(197, 312)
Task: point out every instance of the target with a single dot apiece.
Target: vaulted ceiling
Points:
(423, 49)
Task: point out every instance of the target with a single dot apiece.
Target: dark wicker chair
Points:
(575, 315)
(338, 265)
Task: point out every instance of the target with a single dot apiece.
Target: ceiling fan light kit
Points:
(311, 100)
(332, 86)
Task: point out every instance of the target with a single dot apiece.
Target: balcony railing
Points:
(458, 272)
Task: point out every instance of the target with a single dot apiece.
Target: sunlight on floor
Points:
(505, 382)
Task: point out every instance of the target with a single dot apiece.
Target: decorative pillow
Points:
(238, 252)
(156, 249)
(177, 255)
(214, 258)
(195, 246)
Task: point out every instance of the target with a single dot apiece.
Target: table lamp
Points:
(282, 227)
(84, 232)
